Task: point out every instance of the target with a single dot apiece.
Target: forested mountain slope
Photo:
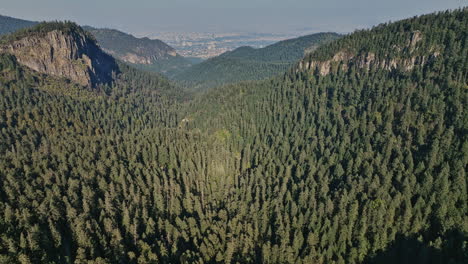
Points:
(346, 160)
(10, 24)
(247, 63)
(337, 161)
(145, 53)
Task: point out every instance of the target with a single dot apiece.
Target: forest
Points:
(362, 159)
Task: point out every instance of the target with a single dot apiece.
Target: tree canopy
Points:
(360, 165)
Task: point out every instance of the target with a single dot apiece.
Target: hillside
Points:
(148, 54)
(10, 24)
(145, 53)
(357, 154)
(63, 50)
(247, 63)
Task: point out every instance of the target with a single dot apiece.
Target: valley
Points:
(325, 148)
(207, 45)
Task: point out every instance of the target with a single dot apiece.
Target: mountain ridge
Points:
(141, 51)
(144, 53)
(148, 54)
(11, 24)
(247, 63)
(61, 49)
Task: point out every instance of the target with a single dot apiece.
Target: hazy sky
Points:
(147, 16)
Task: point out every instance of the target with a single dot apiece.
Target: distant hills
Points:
(64, 59)
(144, 53)
(10, 24)
(247, 63)
(244, 63)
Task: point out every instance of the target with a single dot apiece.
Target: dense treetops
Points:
(390, 38)
(356, 166)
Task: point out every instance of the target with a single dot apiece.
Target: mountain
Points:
(247, 63)
(356, 154)
(61, 49)
(131, 49)
(145, 53)
(10, 24)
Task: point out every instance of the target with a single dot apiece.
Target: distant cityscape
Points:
(207, 45)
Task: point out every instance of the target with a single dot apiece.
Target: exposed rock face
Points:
(135, 59)
(324, 67)
(141, 56)
(368, 60)
(71, 55)
(415, 38)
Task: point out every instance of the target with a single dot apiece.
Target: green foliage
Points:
(358, 166)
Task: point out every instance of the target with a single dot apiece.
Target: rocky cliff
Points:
(402, 57)
(64, 52)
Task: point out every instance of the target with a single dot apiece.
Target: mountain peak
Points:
(61, 49)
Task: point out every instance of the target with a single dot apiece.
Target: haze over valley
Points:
(206, 45)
